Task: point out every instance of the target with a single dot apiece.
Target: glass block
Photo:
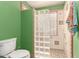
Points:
(47, 44)
(42, 49)
(47, 50)
(37, 38)
(37, 48)
(37, 33)
(41, 39)
(47, 40)
(41, 34)
(37, 54)
(41, 44)
(37, 43)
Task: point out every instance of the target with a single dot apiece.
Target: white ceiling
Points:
(38, 4)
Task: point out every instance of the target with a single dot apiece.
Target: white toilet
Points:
(8, 49)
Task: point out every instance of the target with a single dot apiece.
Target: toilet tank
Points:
(7, 46)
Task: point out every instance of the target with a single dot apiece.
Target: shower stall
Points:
(51, 37)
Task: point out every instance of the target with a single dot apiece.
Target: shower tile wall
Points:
(58, 41)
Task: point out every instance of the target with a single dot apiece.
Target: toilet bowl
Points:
(8, 50)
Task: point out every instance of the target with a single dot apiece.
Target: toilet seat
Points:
(19, 54)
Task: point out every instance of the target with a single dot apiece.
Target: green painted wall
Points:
(76, 45)
(27, 30)
(10, 20)
(76, 37)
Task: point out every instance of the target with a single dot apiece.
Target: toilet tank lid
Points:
(18, 54)
(7, 40)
